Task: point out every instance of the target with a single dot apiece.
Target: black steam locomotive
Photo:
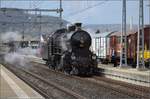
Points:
(68, 50)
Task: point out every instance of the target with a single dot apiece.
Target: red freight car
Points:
(131, 46)
(115, 46)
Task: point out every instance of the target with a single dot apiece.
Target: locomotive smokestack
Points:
(71, 28)
(78, 26)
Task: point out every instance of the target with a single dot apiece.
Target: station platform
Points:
(11, 87)
(129, 75)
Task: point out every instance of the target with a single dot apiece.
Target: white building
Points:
(100, 44)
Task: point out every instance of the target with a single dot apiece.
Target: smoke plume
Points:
(16, 59)
(10, 36)
(20, 55)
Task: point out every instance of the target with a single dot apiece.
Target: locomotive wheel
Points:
(65, 63)
(51, 67)
(46, 63)
(90, 71)
(67, 71)
(74, 71)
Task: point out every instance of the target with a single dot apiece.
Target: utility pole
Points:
(40, 23)
(149, 12)
(149, 25)
(60, 13)
(123, 55)
(140, 38)
(0, 3)
(23, 32)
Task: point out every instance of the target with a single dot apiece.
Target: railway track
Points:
(131, 90)
(127, 85)
(40, 73)
(43, 86)
(125, 88)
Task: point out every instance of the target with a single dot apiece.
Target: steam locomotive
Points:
(68, 50)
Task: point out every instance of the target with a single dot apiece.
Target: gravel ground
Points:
(87, 89)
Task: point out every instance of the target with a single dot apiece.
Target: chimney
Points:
(78, 26)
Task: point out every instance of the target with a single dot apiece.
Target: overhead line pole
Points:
(123, 53)
(140, 38)
(23, 35)
(60, 11)
(149, 29)
(0, 3)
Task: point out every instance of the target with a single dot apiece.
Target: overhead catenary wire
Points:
(87, 8)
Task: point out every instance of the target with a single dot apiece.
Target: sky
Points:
(99, 12)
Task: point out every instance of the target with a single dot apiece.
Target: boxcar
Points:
(131, 46)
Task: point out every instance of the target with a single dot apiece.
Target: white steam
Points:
(10, 36)
(27, 51)
(16, 59)
(21, 55)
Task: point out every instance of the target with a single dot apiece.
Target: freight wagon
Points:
(115, 45)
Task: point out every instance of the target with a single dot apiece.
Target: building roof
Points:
(119, 33)
(104, 34)
(128, 32)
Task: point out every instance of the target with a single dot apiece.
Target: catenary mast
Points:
(123, 57)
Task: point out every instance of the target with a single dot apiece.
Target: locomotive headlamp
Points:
(73, 57)
(81, 40)
(94, 57)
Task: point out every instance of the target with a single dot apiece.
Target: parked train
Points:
(68, 50)
(108, 45)
(115, 45)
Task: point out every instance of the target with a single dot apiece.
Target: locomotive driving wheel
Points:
(65, 65)
(74, 71)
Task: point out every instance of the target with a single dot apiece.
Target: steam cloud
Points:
(10, 36)
(20, 56)
(16, 59)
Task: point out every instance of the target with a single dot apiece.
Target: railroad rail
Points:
(81, 88)
(128, 85)
(118, 86)
(129, 89)
(26, 76)
(99, 82)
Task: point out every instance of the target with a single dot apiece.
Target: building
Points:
(100, 44)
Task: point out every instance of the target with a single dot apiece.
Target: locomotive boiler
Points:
(68, 50)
